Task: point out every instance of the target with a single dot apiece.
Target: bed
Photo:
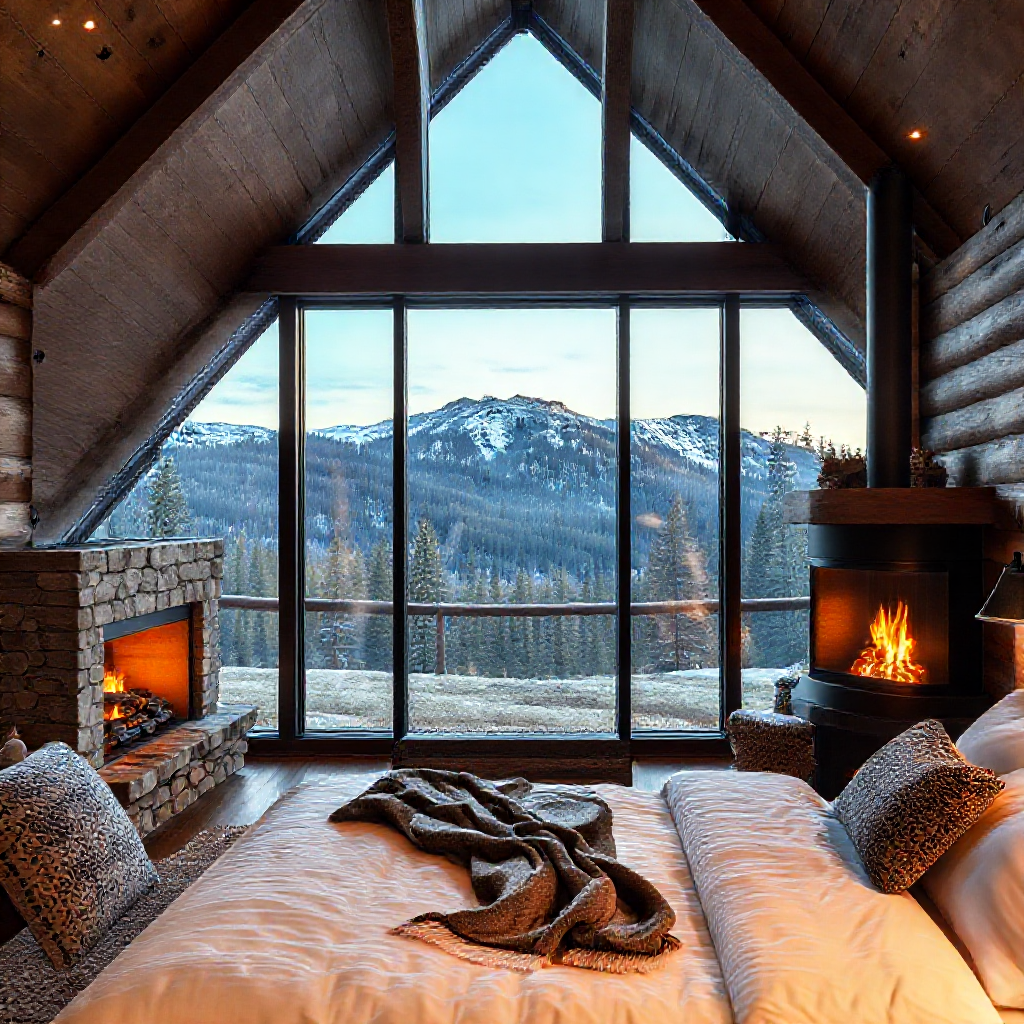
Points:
(291, 927)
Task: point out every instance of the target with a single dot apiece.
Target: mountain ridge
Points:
(492, 424)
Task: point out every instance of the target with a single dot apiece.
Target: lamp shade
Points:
(1006, 602)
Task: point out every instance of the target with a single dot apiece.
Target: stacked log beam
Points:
(972, 357)
(972, 395)
(15, 409)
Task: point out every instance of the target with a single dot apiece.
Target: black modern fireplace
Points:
(894, 639)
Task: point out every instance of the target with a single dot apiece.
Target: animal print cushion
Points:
(70, 859)
(910, 802)
(763, 741)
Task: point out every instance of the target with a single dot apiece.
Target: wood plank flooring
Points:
(245, 796)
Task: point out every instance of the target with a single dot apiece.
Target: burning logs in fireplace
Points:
(129, 715)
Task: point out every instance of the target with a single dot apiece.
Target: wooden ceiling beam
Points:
(616, 97)
(411, 97)
(826, 117)
(576, 270)
(227, 61)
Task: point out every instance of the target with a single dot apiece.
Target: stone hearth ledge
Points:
(171, 771)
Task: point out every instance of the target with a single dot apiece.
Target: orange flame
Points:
(113, 682)
(891, 650)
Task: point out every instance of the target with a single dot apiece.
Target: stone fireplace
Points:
(114, 649)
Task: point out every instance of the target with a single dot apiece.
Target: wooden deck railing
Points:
(441, 612)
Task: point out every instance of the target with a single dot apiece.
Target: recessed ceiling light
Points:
(89, 25)
(915, 134)
(56, 21)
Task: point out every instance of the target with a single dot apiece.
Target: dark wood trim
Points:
(730, 580)
(321, 745)
(411, 101)
(290, 469)
(227, 61)
(616, 81)
(827, 118)
(937, 506)
(623, 524)
(399, 527)
(578, 270)
(712, 744)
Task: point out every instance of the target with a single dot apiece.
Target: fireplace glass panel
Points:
(848, 609)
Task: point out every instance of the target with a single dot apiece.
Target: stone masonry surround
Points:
(54, 603)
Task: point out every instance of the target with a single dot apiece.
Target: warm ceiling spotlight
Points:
(915, 134)
(89, 25)
(56, 21)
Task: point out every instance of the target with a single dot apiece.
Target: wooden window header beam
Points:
(411, 99)
(616, 107)
(528, 271)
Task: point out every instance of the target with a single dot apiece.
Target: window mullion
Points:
(400, 526)
(730, 545)
(291, 585)
(624, 632)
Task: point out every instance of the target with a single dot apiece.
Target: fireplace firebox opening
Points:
(883, 626)
(146, 677)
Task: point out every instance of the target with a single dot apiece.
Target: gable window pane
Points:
(662, 208)
(795, 400)
(674, 444)
(516, 155)
(370, 220)
(511, 477)
(349, 397)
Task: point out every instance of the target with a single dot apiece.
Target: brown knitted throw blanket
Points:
(542, 864)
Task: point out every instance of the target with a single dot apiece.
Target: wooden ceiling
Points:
(953, 69)
(67, 94)
(134, 303)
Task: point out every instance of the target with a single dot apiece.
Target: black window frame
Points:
(291, 735)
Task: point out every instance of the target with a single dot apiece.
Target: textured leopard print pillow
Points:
(910, 802)
(70, 858)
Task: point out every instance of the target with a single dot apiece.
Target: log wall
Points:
(15, 409)
(972, 394)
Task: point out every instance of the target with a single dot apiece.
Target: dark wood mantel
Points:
(880, 506)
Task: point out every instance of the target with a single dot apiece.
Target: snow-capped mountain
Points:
(518, 480)
(195, 434)
(495, 426)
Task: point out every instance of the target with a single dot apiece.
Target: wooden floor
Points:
(245, 796)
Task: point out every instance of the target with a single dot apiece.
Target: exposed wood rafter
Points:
(227, 61)
(811, 101)
(526, 270)
(411, 96)
(616, 80)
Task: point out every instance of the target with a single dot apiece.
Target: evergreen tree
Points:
(677, 573)
(379, 630)
(497, 632)
(775, 565)
(168, 514)
(424, 588)
(239, 571)
(257, 588)
(521, 628)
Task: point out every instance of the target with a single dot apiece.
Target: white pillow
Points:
(978, 885)
(996, 740)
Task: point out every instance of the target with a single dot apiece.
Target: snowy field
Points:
(350, 699)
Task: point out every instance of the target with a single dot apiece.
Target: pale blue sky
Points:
(516, 157)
